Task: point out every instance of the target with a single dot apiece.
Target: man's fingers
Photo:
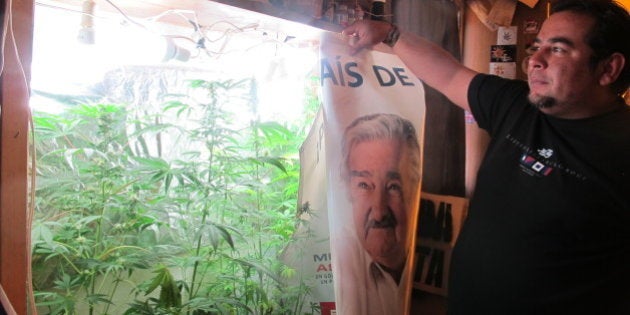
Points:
(358, 36)
(351, 29)
(355, 44)
(348, 31)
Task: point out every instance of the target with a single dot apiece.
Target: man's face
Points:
(378, 184)
(561, 80)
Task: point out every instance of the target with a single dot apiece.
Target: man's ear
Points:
(611, 68)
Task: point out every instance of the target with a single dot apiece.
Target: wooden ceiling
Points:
(208, 11)
(239, 12)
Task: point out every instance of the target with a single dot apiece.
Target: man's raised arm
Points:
(429, 62)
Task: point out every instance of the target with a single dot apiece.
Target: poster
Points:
(441, 219)
(503, 61)
(310, 254)
(374, 115)
(507, 35)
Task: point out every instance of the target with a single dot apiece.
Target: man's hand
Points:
(366, 33)
(428, 61)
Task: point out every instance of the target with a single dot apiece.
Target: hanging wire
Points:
(200, 35)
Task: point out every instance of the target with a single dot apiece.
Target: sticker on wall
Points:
(507, 35)
(530, 26)
(503, 69)
(503, 53)
(503, 61)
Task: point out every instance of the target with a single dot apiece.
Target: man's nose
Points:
(537, 60)
(381, 205)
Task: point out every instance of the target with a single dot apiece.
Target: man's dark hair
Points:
(608, 35)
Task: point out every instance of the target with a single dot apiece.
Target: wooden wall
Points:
(477, 42)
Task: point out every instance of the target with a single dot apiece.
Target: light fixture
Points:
(175, 52)
(86, 33)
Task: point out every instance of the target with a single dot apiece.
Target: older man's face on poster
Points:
(379, 182)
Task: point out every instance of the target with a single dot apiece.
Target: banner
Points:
(374, 114)
(441, 219)
(310, 254)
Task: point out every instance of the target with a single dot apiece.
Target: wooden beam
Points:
(238, 12)
(14, 137)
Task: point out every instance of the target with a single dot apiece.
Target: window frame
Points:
(14, 166)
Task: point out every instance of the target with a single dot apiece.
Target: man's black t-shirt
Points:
(548, 230)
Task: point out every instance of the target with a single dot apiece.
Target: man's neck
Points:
(396, 274)
(597, 107)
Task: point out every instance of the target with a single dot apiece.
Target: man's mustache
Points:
(388, 221)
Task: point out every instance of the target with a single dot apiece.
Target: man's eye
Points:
(534, 48)
(363, 185)
(558, 50)
(394, 188)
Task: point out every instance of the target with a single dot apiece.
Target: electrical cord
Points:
(5, 28)
(200, 35)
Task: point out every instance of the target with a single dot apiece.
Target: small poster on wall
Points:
(503, 61)
(507, 35)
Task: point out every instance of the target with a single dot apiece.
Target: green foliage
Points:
(198, 192)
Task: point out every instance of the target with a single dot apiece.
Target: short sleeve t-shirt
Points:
(548, 230)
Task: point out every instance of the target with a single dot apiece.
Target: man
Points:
(548, 225)
(382, 172)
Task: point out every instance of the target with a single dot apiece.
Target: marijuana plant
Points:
(200, 192)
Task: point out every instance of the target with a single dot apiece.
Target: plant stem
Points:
(113, 290)
(197, 252)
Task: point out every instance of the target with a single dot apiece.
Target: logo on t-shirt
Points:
(546, 153)
(538, 163)
(533, 166)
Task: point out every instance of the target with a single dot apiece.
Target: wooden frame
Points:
(14, 138)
